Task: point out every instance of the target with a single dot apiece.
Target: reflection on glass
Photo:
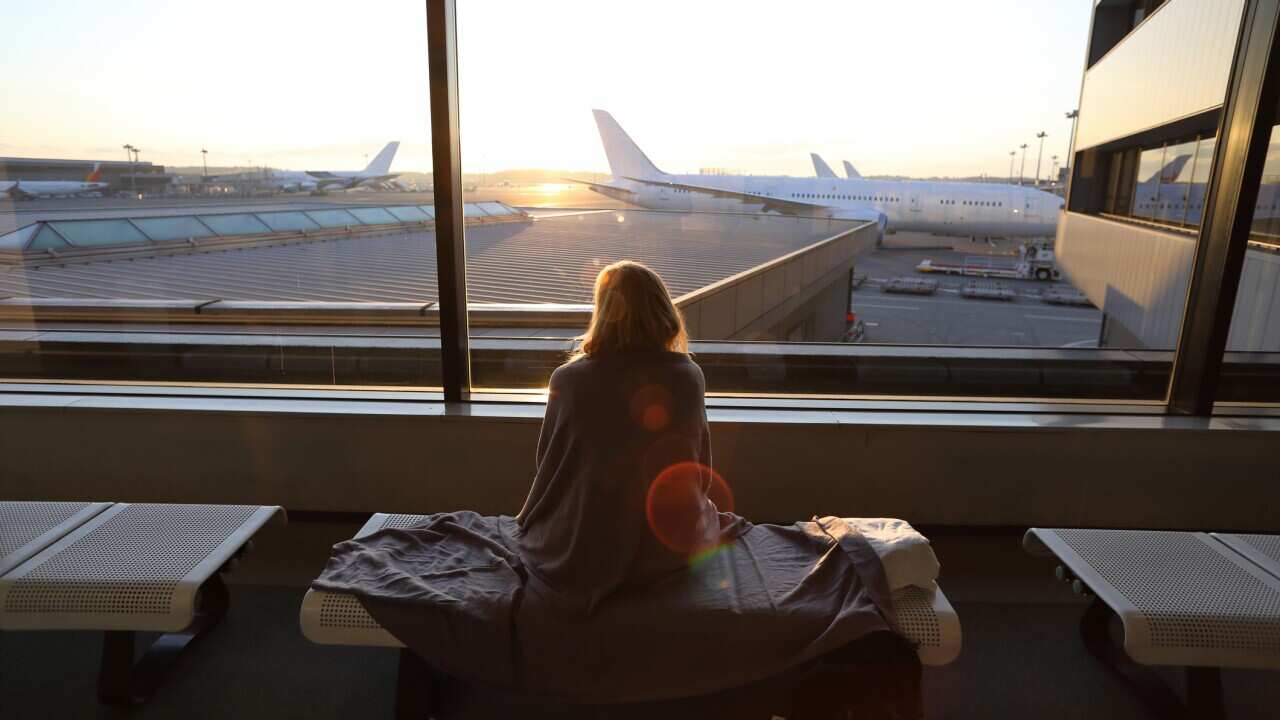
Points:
(1200, 180)
(1146, 193)
(1253, 343)
(1171, 203)
(1266, 216)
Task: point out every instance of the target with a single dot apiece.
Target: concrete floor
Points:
(1021, 657)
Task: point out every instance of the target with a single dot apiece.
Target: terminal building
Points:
(141, 176)
(1129, 234)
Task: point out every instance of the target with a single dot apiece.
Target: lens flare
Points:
(682, 508)
(651, 408)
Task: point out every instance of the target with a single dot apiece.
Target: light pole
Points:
(1011, 154)
(204, 158)
(136, 153)
(1040, 155)
(1071, 145)
(1053, 174)
(1022, 166)
(128, 154)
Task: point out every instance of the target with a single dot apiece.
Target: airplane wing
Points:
(613, 191)
(786, 207)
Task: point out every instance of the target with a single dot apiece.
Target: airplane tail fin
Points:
(96, 174)
(626, 159)
(820, 166)
(381, 164)
(1171, 170)
(850, 171)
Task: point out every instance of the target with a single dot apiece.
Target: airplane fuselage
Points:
(950, 208)
(49, 188)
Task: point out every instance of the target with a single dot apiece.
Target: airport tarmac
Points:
(947, 318)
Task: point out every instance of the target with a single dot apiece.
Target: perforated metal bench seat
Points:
(124, 568)
(926, 617)
(1183, 598)
(26, 528)
(129, 567)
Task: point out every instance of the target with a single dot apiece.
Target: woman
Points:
(625, 411)
(621, 579)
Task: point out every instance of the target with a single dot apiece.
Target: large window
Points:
(227, 192)
(1253, 344)
(270, 216)
(924, 266)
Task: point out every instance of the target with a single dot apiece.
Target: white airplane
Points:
(29, 189)
(378, 171)
(978, 210)
(849, 171)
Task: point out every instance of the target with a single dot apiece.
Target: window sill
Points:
(529, 406)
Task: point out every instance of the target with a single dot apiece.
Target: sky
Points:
(926, 88)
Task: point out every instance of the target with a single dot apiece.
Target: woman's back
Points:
(614, 423)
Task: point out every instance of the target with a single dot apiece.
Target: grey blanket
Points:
(585, 597)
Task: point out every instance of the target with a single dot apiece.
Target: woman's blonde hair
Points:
(633, 311)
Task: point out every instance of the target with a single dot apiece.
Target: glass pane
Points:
(1146, 194)
(47, 239)
(931, 270)
(408, 213)
(333, 218)
(172, 228)
(1200, 180)
(92, 233)
(18, 239)
(1251, 368)
(374, 216)
(286, 221)
(176, 121)
(1171, 205)
(236, 224)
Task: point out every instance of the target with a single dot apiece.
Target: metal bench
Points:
(125, 568)
(26, 528)
(925, 616)
(1189, 599)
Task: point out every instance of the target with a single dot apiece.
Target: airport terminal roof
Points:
(552, 258)
(118, 232)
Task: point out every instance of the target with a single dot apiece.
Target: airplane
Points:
(849, 171)
(378, 171)
(30, 189)
(977, 210)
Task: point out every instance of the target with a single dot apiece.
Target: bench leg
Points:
(1204, 693)
(415, 682)
(123, 681)
(1204, 685)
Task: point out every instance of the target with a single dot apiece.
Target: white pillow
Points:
(906, 555)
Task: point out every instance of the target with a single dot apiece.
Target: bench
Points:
(1197, 600)
(122, 568)
(925, 616)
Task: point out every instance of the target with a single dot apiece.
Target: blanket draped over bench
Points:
(619, 580)
(456, 592)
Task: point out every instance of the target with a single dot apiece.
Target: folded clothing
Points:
(906, 555)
